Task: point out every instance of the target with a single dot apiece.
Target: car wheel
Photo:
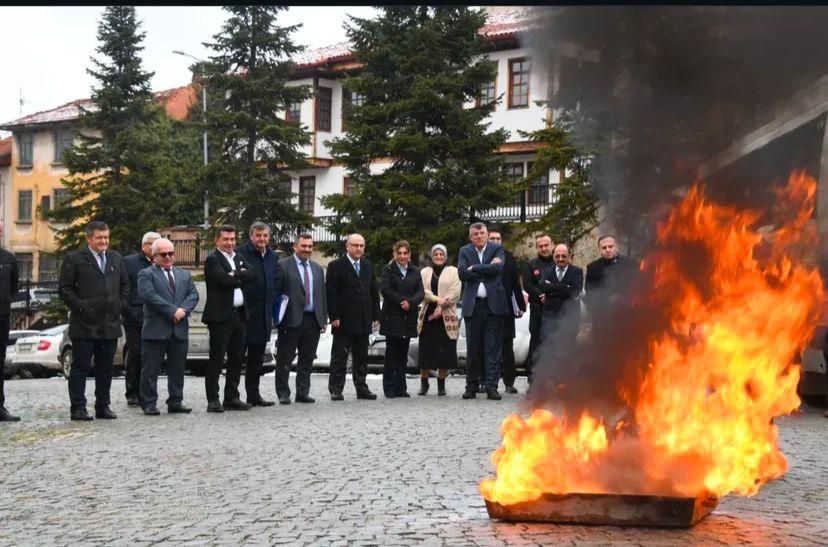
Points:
(66, 362)
(24, 372)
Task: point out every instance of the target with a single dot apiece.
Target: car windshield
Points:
(54, 330)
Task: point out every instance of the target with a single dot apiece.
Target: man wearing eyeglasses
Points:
(169, 296)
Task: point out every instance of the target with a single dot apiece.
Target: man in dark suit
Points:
(607, 278)
(561, 307)
(480, 266)
(169, 296)
(95, 286)
(259, 296)
(9, 277)
(225, 313)
(533, 273)
(353, 306)
(517, 306)
(306, 317)
(134, 317)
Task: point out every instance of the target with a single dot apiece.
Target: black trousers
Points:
(154, 352)
(535, 320)
(226, 337)
(484, 339)
(509, 372)
(4, 339)
(84, 350)
(396, 359)
(358, 346)
(304, 338)
(255, 358)
(132, 372)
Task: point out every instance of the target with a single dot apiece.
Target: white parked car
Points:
(9, 368)
(38, 355)
(812, 384)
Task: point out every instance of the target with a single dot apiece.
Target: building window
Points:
(307, 191)
(323, 108)
(25, 149)
(63, 140)
(61, 196)
(24, 205)
(486, 95)
(48, 268)
(293, 114)
(24, 265)
(518, 83)
(350, 99)
(514, 173)
(539, 191)
(45, 204)
(348, 187)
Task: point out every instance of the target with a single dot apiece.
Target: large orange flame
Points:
(700, 416)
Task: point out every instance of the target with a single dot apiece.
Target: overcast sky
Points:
(47, 49)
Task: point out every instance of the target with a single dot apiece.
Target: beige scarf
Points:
(448, 286)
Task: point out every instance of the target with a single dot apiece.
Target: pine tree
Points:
(113, 168)
(248, 78)
(422, 68)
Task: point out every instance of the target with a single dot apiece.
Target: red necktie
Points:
(307, 285)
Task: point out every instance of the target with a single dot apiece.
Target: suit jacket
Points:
(95, 299)
(352, 300)
(606, 280)
(292, 285)
(395, 288)
(533, 273)
(260, 291)
(134, 313)
(160, 304)
(487, 273)
(220, 286)
(562, 296)
(511, 285)
(9, 278)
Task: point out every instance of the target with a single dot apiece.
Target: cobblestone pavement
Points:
(384, 472)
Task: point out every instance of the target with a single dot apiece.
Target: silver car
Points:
(10, 368)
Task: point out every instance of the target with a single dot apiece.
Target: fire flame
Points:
(700, 416)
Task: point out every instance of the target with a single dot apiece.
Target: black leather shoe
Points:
(511, 389)
(493, 395)
(260, 402)
(80, 414)
(179, 409)
(403, 394)
(367, 395)
(152, 411)
(104, 413)
(214, 406)
(305, 399)
(389, 395)
(481, 389)
(337, 397)
(470, 394)
(236, 404)
(5, 416)
(284, 400)
(132, 401)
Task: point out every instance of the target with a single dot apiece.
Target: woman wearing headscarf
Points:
(438, 323)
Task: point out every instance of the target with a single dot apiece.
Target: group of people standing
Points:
(249, 288)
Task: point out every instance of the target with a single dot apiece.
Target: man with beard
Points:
(533, 273)
(606, 280)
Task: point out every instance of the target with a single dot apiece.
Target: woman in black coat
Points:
(402, 292)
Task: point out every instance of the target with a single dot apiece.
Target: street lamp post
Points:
(204, 139)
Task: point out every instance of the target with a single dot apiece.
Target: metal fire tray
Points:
(608, 509)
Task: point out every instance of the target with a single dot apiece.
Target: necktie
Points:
(170, 281)
(356, 267)
(102, 262)
(307, 284)
(560, 273)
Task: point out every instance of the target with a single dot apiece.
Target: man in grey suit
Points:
(303, 282)
(480, 265)
(169, 296)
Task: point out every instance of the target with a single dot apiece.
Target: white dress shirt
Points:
(238, 295)
(481, 288)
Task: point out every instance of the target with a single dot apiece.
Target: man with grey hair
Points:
(134, 317)
(259, 296)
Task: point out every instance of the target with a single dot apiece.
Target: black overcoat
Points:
(352, 300)
(395, 288)
(259, 291)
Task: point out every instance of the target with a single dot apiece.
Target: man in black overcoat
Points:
(259, 295)
(562, 288)
(517, 307)
(225, 314)
(607, 279)
(9, 277)
(533, 273)
(354, 309)
(95, 286)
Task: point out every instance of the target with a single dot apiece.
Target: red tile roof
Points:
(5, 151)
(177, 102)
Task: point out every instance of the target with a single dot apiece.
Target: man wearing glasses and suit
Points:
(169, 296)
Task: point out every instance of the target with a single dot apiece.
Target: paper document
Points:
(515, 307)
(283, 304)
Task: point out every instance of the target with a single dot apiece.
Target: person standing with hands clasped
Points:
(402, 291)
